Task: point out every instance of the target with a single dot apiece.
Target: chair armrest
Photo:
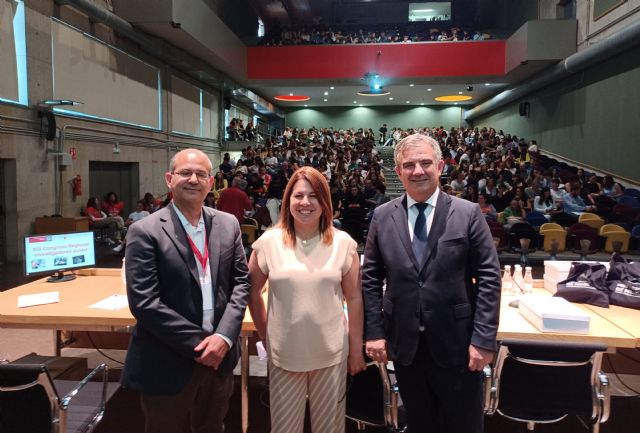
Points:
(603, 391)
(489, 390)
(67, 399)
(390, 400)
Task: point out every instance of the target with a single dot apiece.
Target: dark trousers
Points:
(440, 400)
(202, 405)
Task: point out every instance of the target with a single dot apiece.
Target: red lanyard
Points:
(201, 258)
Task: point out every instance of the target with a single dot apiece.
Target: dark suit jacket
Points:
(165, 297)
(455, 291)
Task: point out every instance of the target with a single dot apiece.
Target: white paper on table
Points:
(113, 302)
(38, 299)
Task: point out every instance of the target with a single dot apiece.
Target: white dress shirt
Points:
(412, 212)
(198, 236)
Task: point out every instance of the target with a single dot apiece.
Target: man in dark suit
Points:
(188, 288)
(438, 318)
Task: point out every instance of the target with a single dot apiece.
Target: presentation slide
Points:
(49, 253)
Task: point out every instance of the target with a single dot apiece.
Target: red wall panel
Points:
(428, 59)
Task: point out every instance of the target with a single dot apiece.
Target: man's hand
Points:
(214, 349)
(377, 350)
(478, 358)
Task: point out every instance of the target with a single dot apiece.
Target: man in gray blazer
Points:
(438, 318)
(187, 285)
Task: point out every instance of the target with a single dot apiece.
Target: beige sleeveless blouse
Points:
(306, 325)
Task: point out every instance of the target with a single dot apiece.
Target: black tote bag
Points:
(586, 284)
(623, 282)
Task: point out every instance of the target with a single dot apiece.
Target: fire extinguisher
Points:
(76, 184)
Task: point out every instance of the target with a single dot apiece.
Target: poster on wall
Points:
(603, 7)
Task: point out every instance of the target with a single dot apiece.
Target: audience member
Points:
(573, 203)
(151, 204)
(99, 220)
(234, 200)
(220, 183)
(137, 214)
(210, 200)
(112, 206)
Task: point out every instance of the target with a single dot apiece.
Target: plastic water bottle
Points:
(507, 282)
(123, 277)
(517, 278)
(528, 281)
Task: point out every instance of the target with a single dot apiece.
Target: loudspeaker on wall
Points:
(524, 108)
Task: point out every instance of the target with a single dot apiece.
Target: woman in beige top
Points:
(312, 269)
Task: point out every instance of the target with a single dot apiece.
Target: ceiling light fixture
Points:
(453, 98)
(374, 92)
(487, 84)
(391, 98)
(292, 98)
(374, 83)
(429, 89)
(459, 93)
(411, 85)
(326, 93)
(331, 88)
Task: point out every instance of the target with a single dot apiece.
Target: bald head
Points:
(189, 155)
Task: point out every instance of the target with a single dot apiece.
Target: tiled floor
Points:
(124, 415)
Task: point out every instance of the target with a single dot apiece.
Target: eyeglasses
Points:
(186, 174)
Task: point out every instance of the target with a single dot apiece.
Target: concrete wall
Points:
(31, 188)
(590, 118)
(591, 31)
(374, 117)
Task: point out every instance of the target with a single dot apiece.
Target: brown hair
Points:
(320, 186)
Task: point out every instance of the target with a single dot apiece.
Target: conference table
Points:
(615, 327)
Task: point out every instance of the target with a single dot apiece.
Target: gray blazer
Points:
(455, 292)
(165, 297)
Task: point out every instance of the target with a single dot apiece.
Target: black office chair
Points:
(543, 382)
(373, 400)
(31, 402)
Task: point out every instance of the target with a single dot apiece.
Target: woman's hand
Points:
(355, 363)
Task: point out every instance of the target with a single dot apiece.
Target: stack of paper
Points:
(550, 314)
(38, 299)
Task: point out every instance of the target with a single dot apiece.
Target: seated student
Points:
(573, 203)
(151, 204)
(112, 206)
(513, 214)
(210, 200)
(137, 214)
(134, 216)
(544, 204)
(487, 208)
(556, 192)
(98, 220)
(220, 183)
(354, 210)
